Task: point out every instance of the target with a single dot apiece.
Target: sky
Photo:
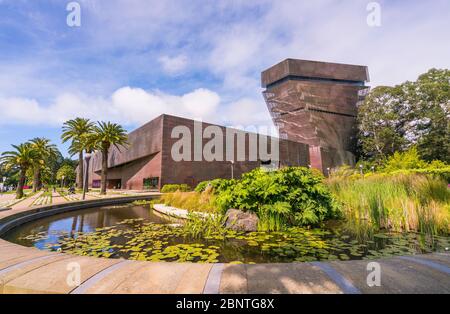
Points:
(129, 61)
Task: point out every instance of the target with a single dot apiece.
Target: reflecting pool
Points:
(137, 232)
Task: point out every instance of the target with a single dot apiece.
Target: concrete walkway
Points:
(29, 270)
(26, 203)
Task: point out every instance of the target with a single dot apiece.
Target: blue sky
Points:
(132, 60)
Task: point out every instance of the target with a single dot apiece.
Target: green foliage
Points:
(397, 202)
(378, 122)
(46, 154)
(192, 201)
(201, 186)
(74, 130)
(170, 188)
(105, 135)
(217, 185)
(395, 118)
(66, 171)
(21, 159)
(289, 196)
(274, 216)
(197, 226)
(80, 132)
(407, 162)
(11, 175)
(139, 239)
(409, 159)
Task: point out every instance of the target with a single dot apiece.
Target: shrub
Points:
(289, 196)
(201, 186)
(217, 185)
(169, 188)
(409, 159)
(407, 162)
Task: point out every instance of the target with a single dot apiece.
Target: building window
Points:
(151, 183)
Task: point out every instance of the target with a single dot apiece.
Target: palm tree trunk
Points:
(104, 176)
(80, 180)
(22, 178)
(36, 175)
(39, 180)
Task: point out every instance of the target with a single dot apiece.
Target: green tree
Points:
(9, 174)
(68, 172)
(21, 158)
(45, 152)
(108, 134)
(431, 93)
(410, 114)
(379, 123)
(77, 131)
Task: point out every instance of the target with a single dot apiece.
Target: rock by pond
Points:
(241, 221)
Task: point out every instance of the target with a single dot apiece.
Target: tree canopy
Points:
(410, 114)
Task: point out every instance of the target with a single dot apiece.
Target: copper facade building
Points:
(148, 163)
(314, 105)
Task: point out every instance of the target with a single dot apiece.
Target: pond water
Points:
(137, 232)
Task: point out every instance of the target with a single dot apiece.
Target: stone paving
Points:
(9, 200)
(29, 270)
(26, 203)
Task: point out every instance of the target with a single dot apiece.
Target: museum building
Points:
(313, 105)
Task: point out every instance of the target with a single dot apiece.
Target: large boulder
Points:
(239, 220)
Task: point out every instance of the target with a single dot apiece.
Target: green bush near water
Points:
(291, 196)
(170, 188)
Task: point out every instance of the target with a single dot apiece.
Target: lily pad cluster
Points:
(138, 239)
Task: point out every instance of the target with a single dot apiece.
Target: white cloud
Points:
(225, 45)
(174, 65)
(135, 106)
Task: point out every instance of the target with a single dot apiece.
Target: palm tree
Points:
(22, 158)
(44, 152)
(76, 130)
(108, 134)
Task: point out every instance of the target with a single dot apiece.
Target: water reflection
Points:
(86, 220)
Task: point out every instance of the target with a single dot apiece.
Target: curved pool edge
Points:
(29, 270)
(14, 218)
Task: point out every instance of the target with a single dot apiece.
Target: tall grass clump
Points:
(396, 202)
(198, 226)
(169, 188)
(191, 201)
